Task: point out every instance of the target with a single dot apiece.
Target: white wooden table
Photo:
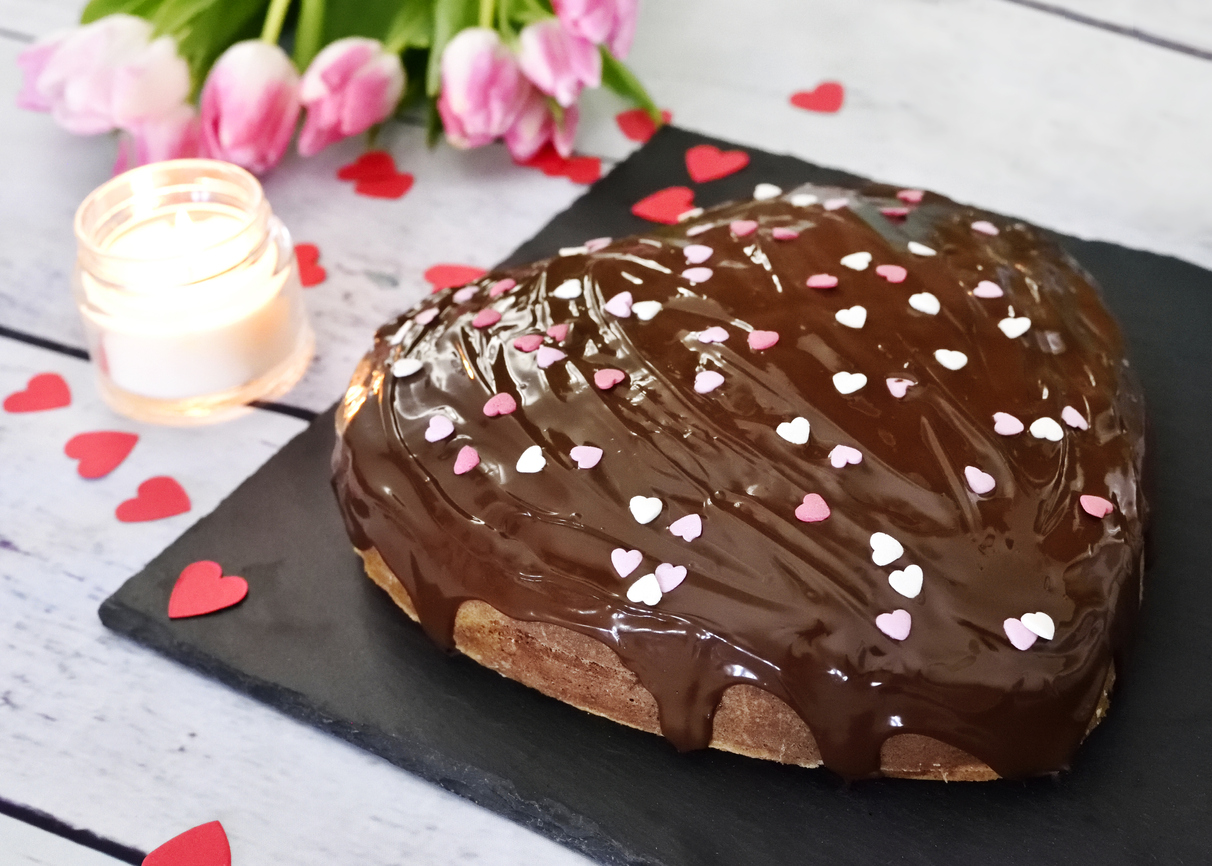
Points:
(1087, 116)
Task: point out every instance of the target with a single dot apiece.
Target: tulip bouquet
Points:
(229, 79)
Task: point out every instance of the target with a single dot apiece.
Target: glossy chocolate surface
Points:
(770, 600)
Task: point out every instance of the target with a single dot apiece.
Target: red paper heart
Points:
(665, 206)
(578, 169)
(157, 498)
(99, 452)
(449, 276)
(638, 125)
(44, 391)
(707, 162)
(372, 165)
(583, 169)
(393, 186)
(205, 845)
(201, 588)
(311, 273)
(826, 97)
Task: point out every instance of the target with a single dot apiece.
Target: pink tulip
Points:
(349, 87)
(152, 85)
(483, 88)
(558, 62)
(609, 22)
(535, 126)
(250, 105)
(175, 135)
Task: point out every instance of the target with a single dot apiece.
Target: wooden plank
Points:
(1186, 22)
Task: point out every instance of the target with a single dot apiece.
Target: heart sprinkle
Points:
(950, 359)
(895, 213)
(822, 281)
(899, 387)
(843, 455)
(795, 431)
(202, 588)
(568, 290)
(646, 590)
(625, 561)
(856, 261)
(1046, 428)
(532, 460)
(707, 381)
(500, 404)
(804, 199)
(486, 318)
(1074, 418)
(528, 343)
(853, 317)
(646, 310)
(907, 582)
(743, 228)
(426, 316)
(924, 302)
(1096, 506)
(885, 549)
(463, 295)
(1007, 425)
(547, 356)
(1015, 326)
(1020, 636)
(762, 340)
(892, 273)
(669, 576)
(813, 509)
(559, 333)
(895, 624)
(836, 203)
(466, 460)
(687, 528)
(619, 305)
(500, 287)
(586, 456)
(848, 383)
(1039, 623)
(645, 508)
(714, 334)
(439, 428)
(782, 233)
(912, 196)
(766, 191)
(987, 289)
(697, 275)
(979, 482)
(920, 249)
(696, 254)
(607, 378)
(984, 227)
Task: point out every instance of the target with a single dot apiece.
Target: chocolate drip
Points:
(768, 600)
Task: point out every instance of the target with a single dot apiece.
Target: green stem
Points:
(308, 32)
(273, 21)
(487, 7)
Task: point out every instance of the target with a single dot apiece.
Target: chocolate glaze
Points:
(768, 600)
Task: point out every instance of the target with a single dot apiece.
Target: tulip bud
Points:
(609, 22)
(174, 135)
(558, 63)
(250, 105)
(483, 88)
(349, 87)
(152, 85)
(535, 126)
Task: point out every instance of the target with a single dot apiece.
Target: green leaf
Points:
(622, 81)
(449, 17)
(370, 18)
(100, 8)
(204, 29)
(412, 27)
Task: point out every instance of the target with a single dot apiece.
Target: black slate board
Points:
(318, 641)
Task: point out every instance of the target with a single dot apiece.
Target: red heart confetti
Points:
(385, 187)
(201, 588)
(665, 206)
(157, 498)
(205, 845)
(42, 392)
(311, 273)
(375, 174)
(99, 452)
(826, 97)
(706, 162)
(638, 125)
(447, 276)
(578, 169)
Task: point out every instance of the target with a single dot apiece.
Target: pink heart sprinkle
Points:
(528, 343)
(558, 333)
(696, 254)
(980, 482)
(467, 460)
(895, 213)
(743, 228)
(987, 289)
(464, 294)
(1096, 506)
(782, 233)
(607, 378)
(426, 316)
(841, 455)
(687, 528)
(822, 281)
(707, 381)
(913, 196)
(439, 428)
(714, 334)
(597, 244)
(1021, 636)
(500, 404)
(984, 227)
(548, 356)
(697, 275)
(760, 340)
(486, 318)
(898, 387)
(1074, 418)
(619, 305)
(500, 287)
(669, 577)
(892, 273)
(625, 561)
(813, 509)
(836, 203)
(586, 456)
(1006, 425)
(896, 624)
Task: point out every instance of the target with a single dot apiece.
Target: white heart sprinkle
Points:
(1046, 428)
(645, 310)
(645, 508)
(696, 254)
(907, 582)
(848, 383)
(924, 302)
(646, 590)
(405, 367)
(568, 290)
(920, 249)
(1014, 327)
(548, 355)
(853, 317)
(795, 431)
(532, 460)
(885, 549)
(950, 359)
(1074, 418)
(764, 191)
(804, 199)
(1039, 623)
(625, 561)
(857, 261)
(987, 289)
